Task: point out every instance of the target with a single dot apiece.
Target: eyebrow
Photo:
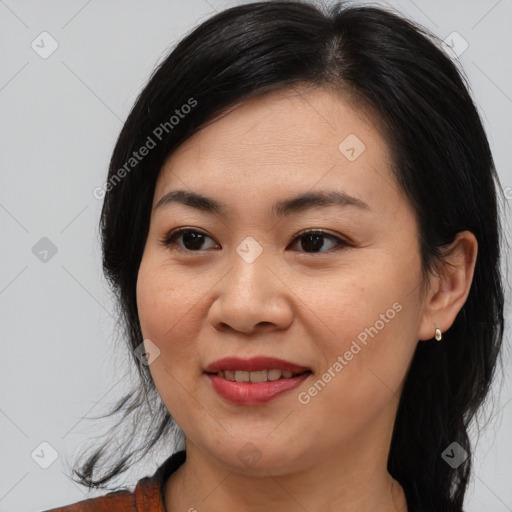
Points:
(299, 203)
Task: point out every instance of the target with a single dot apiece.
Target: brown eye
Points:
(192, 239)
(313, 241)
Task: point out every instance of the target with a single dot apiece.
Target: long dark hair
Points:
(441, 158)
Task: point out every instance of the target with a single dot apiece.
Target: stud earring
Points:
(438, 334)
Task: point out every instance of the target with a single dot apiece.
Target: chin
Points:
(259, 457)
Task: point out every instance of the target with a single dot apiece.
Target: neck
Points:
(353, 478)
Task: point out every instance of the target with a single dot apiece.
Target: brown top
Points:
(147, 496)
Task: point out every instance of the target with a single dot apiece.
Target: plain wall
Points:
(60, 117)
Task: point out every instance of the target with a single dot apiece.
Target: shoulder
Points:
(146, 497)
(114, 501)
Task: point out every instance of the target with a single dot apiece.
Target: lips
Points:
(254, 364)
(258, 376)
(254, 381)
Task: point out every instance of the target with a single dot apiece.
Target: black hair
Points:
(441, 159)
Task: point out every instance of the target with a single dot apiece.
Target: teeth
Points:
(242, 376)
(229, 375)
(273, 374)
(259, 376)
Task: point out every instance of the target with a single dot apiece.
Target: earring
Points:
(438, 334)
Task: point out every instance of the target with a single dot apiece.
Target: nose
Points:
(251, 296)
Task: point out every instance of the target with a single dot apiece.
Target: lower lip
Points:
(251, 393)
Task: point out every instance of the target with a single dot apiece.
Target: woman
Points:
(301, 226)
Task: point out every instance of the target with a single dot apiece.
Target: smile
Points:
(254, 381)
(259, 376)
(254, 393)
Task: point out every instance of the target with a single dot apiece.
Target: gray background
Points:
(60, 117)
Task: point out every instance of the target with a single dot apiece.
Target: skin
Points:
(291, 302)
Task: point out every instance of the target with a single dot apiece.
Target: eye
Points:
(193, 240)
(312, 240)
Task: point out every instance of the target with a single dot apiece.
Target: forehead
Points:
(292, 138)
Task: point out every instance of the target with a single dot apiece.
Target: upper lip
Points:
(253, 364)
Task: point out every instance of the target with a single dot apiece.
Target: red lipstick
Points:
(253, 393)
(253, 365)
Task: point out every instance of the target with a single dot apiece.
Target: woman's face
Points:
(248, 282)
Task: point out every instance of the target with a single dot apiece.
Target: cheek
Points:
(364, 366)
(163, 300)
(361, 298)
(168, 318)
(369, 319)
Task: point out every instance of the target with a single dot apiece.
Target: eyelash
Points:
(169, 240)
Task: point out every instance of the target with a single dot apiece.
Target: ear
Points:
(449, 289)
